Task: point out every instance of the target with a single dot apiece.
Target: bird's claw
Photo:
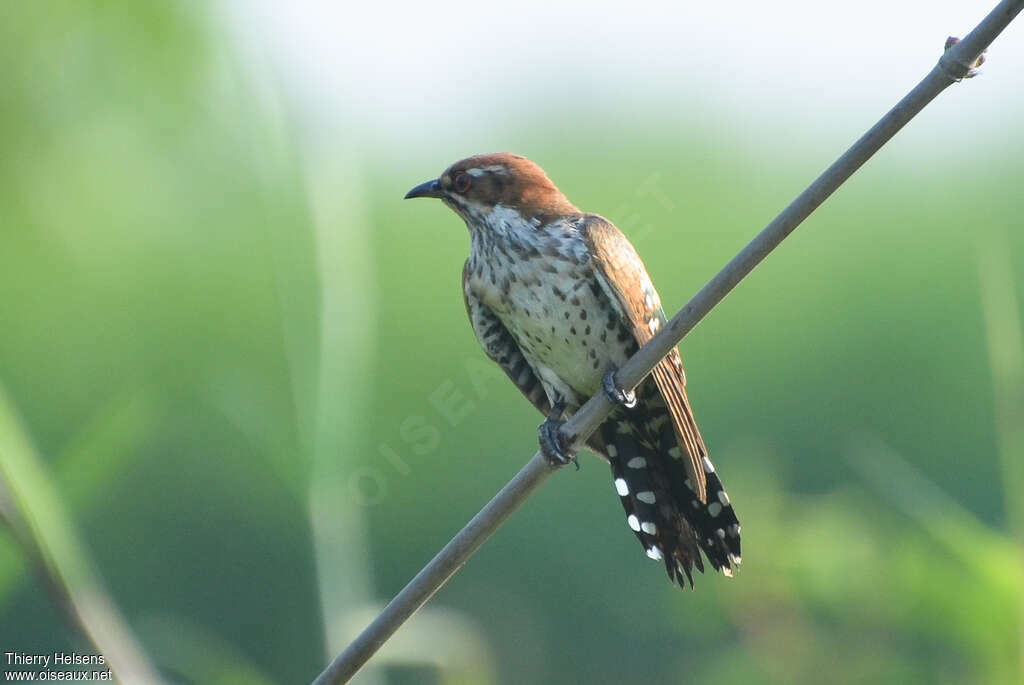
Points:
(618, 396)
(552, 445)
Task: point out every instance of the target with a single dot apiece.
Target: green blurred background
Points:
(244, 366)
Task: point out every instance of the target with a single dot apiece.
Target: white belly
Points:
(563, 331)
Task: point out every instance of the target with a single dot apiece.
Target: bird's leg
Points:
(618, 396)
(551, 444)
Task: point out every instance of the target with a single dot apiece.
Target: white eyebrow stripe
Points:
(476, 172)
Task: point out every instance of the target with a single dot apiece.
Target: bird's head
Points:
(477, 186)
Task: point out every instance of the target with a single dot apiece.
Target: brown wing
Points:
(624, 279)
(501, 347)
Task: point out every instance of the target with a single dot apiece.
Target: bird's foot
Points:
(618, 396)
(552, 445)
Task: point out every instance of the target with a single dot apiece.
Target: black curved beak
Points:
(428, 189)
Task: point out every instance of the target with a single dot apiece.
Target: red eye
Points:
(462, 183)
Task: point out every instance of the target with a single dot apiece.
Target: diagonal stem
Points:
(956, 63)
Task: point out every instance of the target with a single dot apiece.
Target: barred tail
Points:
(670, 521)
(716, 525)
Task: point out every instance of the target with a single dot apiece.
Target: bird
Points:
(560, 299)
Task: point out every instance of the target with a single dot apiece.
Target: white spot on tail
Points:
(708, 466)
(675, 452)
(714, 509)
(633, 522)
(655, 553)
(734, 530)
(612, 450)
(723, 498)
(647, 497)
(621, 487)
(637, 463)
(720, 533)
(649, 528)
